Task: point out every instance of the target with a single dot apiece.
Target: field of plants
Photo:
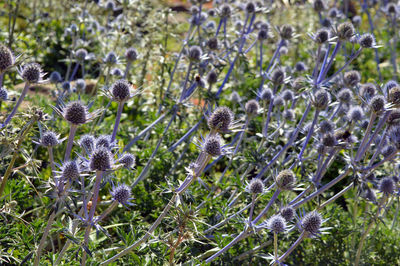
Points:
(199, 132)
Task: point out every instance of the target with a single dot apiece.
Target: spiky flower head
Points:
(225, 10)
(87, 142)
(263, 35)
(321, 99)
(298, 83)
(357, 21)
(288, 115)
(387, 185)
(326, 22)
(278, 100)
(394, 118)
(388, 150)
(3, 94)
(101, 159)
(117, 72)
(367, 40)
(285, 180)
(235, 97)
(81, 54)
(131, 54)
(345, 95)
(345, 31)
(32, 73)
(352, 78)
(70, 170)
(6, 58)
(390, 84)
(326, 126)
(368, 90)
(121, 90)
(355, 114)
(122, 194)
(55, 77)
(252, 107)
(394, 95)
(286, 32)
(221, 119)
(288, 95)
(212, 77)
(287, 213)
(128, 160)
(312, 222)
(377, 104)
(80, 84)
(49, 139)
(319, 5)
(195, 53)
(394, 135)
(212, 145)
(103, 141)
(321, 36)
(277, 224)
(76, 113)
(300, 67)
(111, 58)
(278, 76)
(66, 86)
(110, 5)
(212, 43)
(256, 186)
(266, 94)
(250, 7)
(329, 140)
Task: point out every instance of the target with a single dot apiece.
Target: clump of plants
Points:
(217, 132)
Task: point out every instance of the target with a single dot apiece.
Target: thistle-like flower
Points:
(221, 120)
(87, 142)
(256, 186)
(127, 160)
(312, 222)
(49, 139)
(32, 73)
(285, 180)
(276, 224)
(101, 159)
(76, 113)
(122, 194)
(7, 59)
(121, 91)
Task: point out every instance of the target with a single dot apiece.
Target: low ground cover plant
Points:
(200, 132)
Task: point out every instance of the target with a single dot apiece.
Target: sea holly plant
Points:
(215, 132)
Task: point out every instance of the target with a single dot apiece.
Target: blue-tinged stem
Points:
(117, 120)
(144, 131)
(221, 21)
(292, 247)
(334, 53)
(264, 211)
(182, 139)
(379, 126)
(365, 137)
(20, 99)
(70, 142)
(99, 175)
(74, 71)
(290, 142)
(341, 69)
(309, 134)
(321, 190)
(175, 67)
(148, 164)
(324, 63)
